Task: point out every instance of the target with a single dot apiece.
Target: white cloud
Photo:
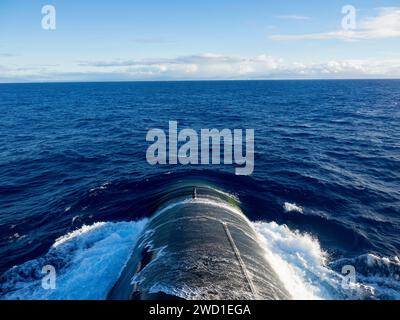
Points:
(202, 66)
(206, 66)
(385, 25)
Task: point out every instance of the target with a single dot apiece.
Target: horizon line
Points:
(197, 80)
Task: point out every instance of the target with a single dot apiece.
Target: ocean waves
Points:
(89, 260)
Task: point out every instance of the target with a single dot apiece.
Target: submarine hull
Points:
(198, 248)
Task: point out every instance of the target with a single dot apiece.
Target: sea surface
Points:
(76, 189)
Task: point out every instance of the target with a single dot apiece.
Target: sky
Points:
(123, 40)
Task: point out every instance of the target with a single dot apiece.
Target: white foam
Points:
(292, 207)
(294, 257)
(88, 263)
(304, 268)
(103, 186)
(207, 201)
(89, 260)
(77, 233)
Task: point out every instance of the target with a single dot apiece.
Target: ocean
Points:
(76, 189)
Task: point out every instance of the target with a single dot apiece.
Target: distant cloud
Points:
(205, 66)
(385, 25)
(293, 17)
(190, 59)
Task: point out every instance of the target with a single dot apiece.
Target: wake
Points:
(90, 259)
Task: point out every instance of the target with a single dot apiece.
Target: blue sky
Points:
(178, 40)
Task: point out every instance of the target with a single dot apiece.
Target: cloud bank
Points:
(206, 66)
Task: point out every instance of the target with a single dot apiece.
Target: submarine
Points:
(198, 245)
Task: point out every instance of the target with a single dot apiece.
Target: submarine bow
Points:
(198, 246)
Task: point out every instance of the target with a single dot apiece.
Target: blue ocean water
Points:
(325, 191)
